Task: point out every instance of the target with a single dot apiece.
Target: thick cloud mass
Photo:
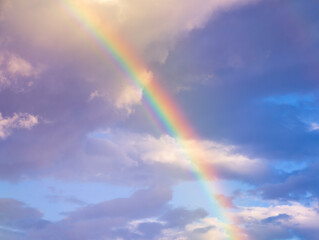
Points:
(15, 214)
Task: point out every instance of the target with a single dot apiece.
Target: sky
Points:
(86, 154)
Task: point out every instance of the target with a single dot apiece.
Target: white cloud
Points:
(122, 99)
(142, 159)
(215, 229)
(16, 71)
(282, 221)
(131, 95)
(17, 121)
(94, 95)
(124, 95)
(300, 215)
(17, 66)
(167, 150)
(269, 222)
(314, 126)
(205, 229)
(128, 97)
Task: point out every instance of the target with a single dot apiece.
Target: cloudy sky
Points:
(82, 156)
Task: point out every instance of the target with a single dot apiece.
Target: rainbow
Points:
(116, 52)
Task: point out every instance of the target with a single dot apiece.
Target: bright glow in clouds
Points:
(168, 151)
(139, 21)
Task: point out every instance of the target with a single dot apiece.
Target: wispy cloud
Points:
(17, 121)
(16, 72)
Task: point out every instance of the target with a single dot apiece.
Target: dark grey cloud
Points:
(275, 219)
(270, 62)
(278, 227)
(299, 185)
(150, 229)
(144, 215)
(266, 232)
(142, 204)
(18, 217)
(181, 217)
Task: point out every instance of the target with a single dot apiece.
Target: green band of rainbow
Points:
(116, 52)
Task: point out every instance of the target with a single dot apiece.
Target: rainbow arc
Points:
(116, 52)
